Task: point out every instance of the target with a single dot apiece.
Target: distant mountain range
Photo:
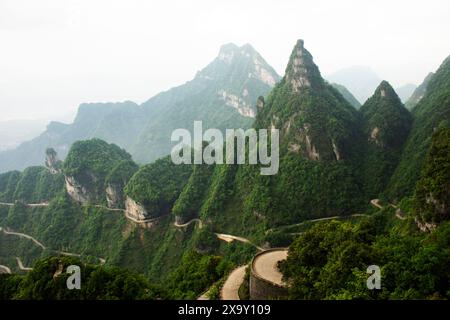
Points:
(13, 132)
(362, 81)
(222, 95)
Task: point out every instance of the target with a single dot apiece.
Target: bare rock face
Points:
(263, 74)
(51, 161)
(301, 68)
(238, 103)
(114, 196)
(310, 147)
(305, 145)
(425, 226)
(76, 191)
(135, 210)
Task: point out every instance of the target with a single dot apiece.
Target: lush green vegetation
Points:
(432, 196)
(8, 184)
(347, 95)
(158, 185)
(331, 163)
(95, 156)
(91, 162)
(432, 112)
(121, 173)
(329, 261)
(190, 200)
(195, 274)
(34, 185)
(386, 128)
(97, 283)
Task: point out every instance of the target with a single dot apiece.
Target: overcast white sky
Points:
(56, 54)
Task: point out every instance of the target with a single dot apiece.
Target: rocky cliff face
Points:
(238, 103)
(51, 161)
(135, 210)
(114, 195)
(315, 122)
(301, 71)
(77, 191)
(245, 76)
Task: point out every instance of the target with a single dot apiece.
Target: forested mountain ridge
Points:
(347, 95)
(419, 92)
(386, 124)
(430, 113)
(222, 95)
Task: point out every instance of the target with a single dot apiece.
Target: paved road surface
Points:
(23, 235)
(265, 265)
(376, 203)
(21, 267)
(26, 236)
(231, 286)
(230, 238)
(4, 269)
(42, 204)
(107, 208)
(200, 224)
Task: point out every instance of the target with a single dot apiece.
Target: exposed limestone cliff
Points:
(114, 195)
(238, 103)
(51, 161)
(76, 191)
(135, 210)
(301, 71)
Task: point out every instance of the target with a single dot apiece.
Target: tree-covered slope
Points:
(432, 112)
(432, 194)
(386, 127)
(47, 281)
(91, 164)
(347, 95)
(419, 92)
(330, 261)
(319, 145)
(222, 95)
(157, 185)
(33, 185)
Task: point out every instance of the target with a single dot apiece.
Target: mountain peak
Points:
(385, 90)
(227, 47)
(301, 71)
(387, 122)
(228, 52)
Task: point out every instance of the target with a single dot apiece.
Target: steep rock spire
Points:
(301, 70)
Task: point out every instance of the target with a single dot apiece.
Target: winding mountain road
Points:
(317, 220)
(4, 269)
(398, 212)
(109, 209)
(200, 223)
(265, 265)
(23, 235)
(21, 267)
(230, 289)
(231, 238)
(376, 203)
(42, 204)
(26, 236)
